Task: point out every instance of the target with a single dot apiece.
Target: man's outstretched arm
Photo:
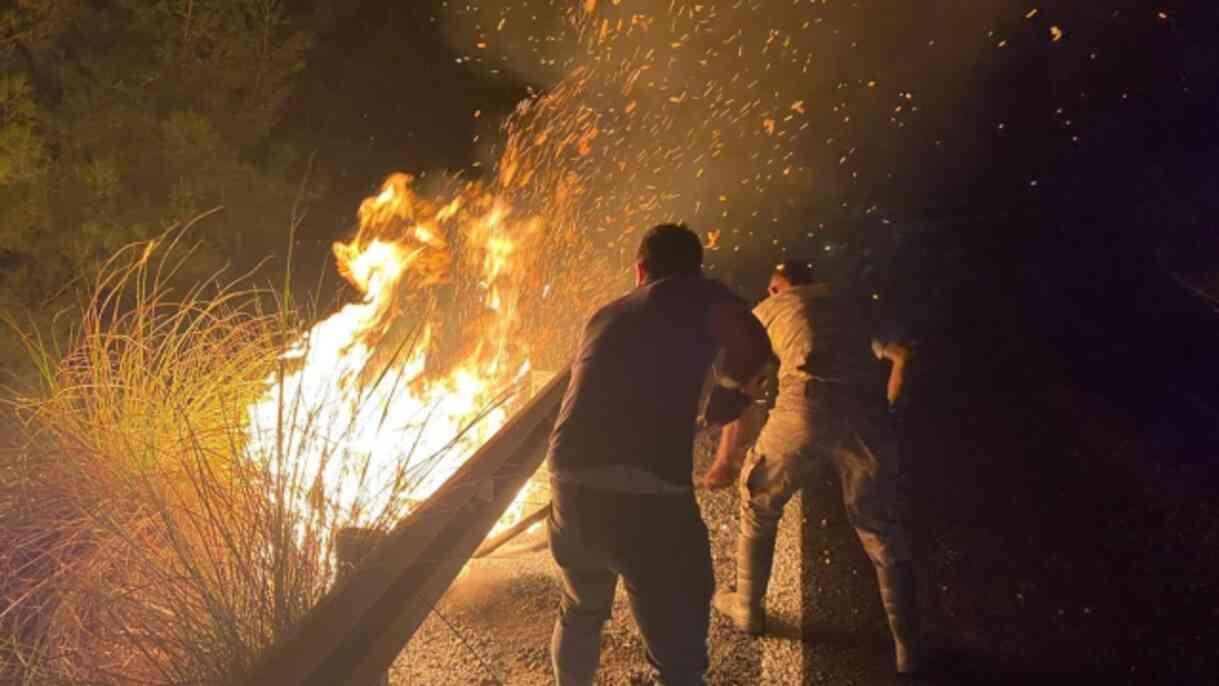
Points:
(746, 352)
(897, 355)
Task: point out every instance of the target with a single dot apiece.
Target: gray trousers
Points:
(658, 545)
(860, 444)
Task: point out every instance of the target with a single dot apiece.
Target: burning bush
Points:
(170, 506)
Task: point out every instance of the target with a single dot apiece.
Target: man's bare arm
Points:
(897, 354)
(735, 439)
(746, 352)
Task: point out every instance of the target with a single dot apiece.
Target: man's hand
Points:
(721, 475)
(735, 439)
(897, 354)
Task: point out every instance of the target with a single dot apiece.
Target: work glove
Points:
(725, 405)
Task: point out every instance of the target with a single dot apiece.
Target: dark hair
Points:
(797, 272)
(670, 250)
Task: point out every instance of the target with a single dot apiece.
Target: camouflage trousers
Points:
(829, 429)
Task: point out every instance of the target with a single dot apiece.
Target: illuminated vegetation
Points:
(146, 538)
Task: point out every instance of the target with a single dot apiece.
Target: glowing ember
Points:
(370, 413)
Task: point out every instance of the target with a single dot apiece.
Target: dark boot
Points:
(898, 596)
(746, 606)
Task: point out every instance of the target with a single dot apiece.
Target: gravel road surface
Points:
(494, 625)
(1057, 542)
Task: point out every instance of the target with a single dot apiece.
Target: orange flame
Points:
(369, 417)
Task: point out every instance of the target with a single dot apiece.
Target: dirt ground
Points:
(494, 625)
(1055, 539)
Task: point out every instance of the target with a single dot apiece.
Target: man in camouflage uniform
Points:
(837, 385)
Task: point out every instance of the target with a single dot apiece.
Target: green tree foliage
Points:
(119, 118)
(21, 147)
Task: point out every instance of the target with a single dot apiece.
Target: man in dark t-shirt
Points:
(621, 457)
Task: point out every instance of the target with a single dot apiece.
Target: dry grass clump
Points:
(138, 544)
(140, 541)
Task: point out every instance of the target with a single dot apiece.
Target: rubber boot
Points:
(898, 596)
(746, 606)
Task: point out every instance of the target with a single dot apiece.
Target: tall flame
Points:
(656, 116)
(378, 404)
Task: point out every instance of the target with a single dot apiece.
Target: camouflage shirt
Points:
(819, 340)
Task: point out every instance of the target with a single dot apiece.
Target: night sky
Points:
(1029, 186)
(1000, 104)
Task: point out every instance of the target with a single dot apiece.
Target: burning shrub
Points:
(171, 505)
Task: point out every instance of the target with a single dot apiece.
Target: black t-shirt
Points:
(636, 381)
